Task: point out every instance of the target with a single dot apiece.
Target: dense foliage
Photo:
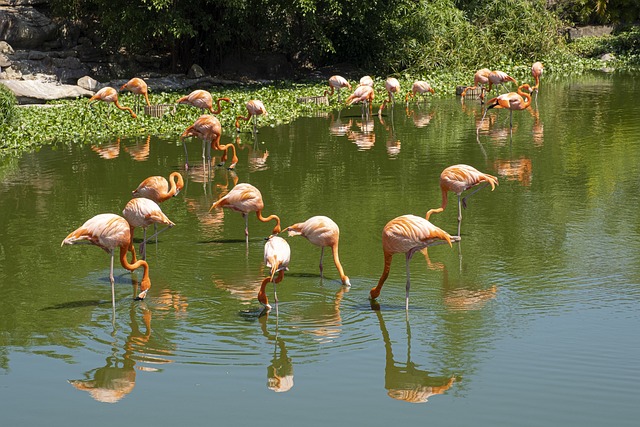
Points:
(380, 35)
(8, 112)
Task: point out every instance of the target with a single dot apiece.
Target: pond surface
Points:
(533, 319)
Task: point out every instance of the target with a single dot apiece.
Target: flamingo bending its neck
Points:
(458, 178)
(408, 234)
(321, 231)
(158, 189)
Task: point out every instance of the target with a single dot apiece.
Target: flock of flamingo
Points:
(406, 234)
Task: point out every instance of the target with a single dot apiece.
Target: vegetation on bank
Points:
(440, 41)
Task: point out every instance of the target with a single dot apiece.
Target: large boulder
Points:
(25, 28)
(36, 91)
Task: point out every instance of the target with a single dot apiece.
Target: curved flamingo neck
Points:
(526, 96)
(133, 266)
(445, 199)
(219, 106)
(176, 182)
(276, 229)
(120, 107)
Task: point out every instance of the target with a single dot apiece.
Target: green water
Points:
(531, 320)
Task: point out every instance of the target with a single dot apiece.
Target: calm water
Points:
(531, 320)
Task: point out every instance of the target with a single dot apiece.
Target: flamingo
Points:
(499, 78)
(208, 128)
(366, 81)
(277, 255)
(408, 234)
(255, 108)
(245, 198)
(138, 87)
(158, 189)
(108, 232)
(321, 231)
(392, 85)
(458, 178)
(512, 101)
(480, 78)
(110, 95)
(363, 94)
(337, 83)
(421, 87)
(203, 100)
(536, 73)
(142, 212)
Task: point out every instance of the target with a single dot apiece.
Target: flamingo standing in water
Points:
(480, 78)
(392, 85)
(512, 101)
(209, 129)
(158, 189)
(458, 178)
(255, 109)
(245, 198)
(142, 212)
(110, 95)
(108, 232)
(363, 94)
(499, 78)
(408, 234)
(203, 100)
(277, 255)
(421, 87)
(337, 83)
(321, 231)
(139, 88)
(536, 73)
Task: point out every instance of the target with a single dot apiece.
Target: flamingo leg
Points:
(459, 213)
(113, 290)
(155, 234)
(408, 286)
(322, 256)
(246, 227)
(186, 157)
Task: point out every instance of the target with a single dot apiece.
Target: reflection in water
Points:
(117, 378)
(109, 150)
(404, 381)
(364, 137)
(331, 323)
(538, 128)
(280, 371)
(139, 152)
(257, 158)
(393, 143)
(420, 118)
(460, 298)
(339, 128)
(516, 170)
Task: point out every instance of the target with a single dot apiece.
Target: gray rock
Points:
(33, 91)
(25, 28)
(88, 83)
(195, 72)
(4, 61)
(607, 57)
(5, 47)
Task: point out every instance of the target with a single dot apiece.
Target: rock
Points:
(4, 61)
(5, 47)
(10, 73)
(88, 83)
(25, 28)
(195, 72)
(35, 91)
(607, 57)
(589, 31)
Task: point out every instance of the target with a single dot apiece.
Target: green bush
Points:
(8, 110)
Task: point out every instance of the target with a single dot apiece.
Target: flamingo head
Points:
(144, 286)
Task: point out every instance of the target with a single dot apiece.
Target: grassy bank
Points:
(73, 122)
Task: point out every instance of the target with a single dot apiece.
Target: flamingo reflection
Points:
(280, 371)
(420, 118)
(515, 170)
(364, 138)
(339, 128)
(393, 143)
(108, 151)
(117, 378)
(257, 157)
(139, 152)
(405, 381)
